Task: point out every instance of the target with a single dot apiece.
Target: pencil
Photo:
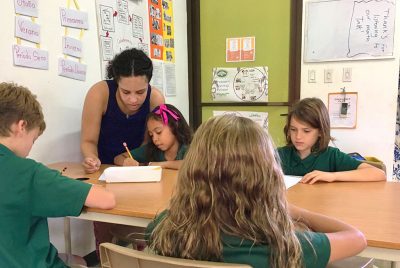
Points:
(127, 150)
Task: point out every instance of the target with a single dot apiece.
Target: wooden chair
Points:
(114, 256)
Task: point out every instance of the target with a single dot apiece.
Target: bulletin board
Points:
(349, 30)
(146, 25)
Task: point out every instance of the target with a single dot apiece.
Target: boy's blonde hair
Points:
(313, 112)
(231, 183)
(18, 103)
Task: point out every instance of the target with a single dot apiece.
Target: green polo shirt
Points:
(315, 247)
(330, 160)
(139, 154)
(29, 193)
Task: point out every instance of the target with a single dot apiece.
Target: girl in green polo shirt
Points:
(307, 153)
(168, 136)
(230, 206)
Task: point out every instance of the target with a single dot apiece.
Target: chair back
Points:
(114, 256)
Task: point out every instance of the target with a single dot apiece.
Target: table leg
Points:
(67, 235)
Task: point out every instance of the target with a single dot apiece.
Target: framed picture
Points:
(342, 108)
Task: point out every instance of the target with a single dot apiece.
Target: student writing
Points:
(30, 192)
(307, 152)
(230, 206)
(169, 136)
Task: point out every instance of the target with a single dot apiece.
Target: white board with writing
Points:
(349, 30)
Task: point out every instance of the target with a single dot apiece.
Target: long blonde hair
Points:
(230, 182)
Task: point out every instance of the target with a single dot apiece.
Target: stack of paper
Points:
(131, 174)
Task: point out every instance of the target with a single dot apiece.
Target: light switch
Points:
(346, 75)
(328, 73)
(311, 76)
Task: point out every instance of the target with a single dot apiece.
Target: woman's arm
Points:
(156, 98)
(345, 240)
(364, 172)
(93, 110)
(174, 164)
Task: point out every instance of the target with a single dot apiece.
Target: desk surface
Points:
(141, 200)
(373, 207)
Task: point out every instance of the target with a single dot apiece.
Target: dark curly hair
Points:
(130, 62)
(179, 128)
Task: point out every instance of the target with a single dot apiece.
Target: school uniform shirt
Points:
(315, 248)
(29, 193)
(329, 160)
(139, 154)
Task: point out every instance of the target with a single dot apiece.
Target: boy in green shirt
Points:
(30, 192)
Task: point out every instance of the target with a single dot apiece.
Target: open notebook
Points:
(131, 174)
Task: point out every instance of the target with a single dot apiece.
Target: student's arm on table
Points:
(156, 98)
(345, 240)
(175, 164)
(98, 197)
(93, 110)
(364, 172)
(124, 160)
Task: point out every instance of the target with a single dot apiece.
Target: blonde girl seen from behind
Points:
(230, 204)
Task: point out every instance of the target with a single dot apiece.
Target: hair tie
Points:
(163, 111)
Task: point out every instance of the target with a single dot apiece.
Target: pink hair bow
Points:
(163, 111)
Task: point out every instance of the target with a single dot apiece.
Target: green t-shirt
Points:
(29, 193)
(237, 250)
(139, 154)
(329, 160)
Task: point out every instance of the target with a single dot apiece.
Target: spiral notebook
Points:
(131, 174)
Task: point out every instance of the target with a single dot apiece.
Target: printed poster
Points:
(168, 31)
(122, 24)
(248, 84)
(156, 29)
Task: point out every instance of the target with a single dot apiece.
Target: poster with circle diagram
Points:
(247, 84)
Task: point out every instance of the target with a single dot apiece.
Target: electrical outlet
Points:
(346, 75)
(311, 76)
(328, 73)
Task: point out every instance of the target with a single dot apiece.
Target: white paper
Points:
(158, 75)
(73, 18)
(170, 82)
(291, 180)
(30, 57)
(71, 69)
(131, 174)
(240, 84)
(72, 46)
(27, 29)
(28, 8)
(260, 118)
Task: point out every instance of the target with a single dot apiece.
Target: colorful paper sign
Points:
(26, 7)
(73, 18)
(27, 29)
(71, 69)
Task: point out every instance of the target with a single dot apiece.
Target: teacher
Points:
(115, 110)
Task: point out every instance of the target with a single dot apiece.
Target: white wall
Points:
(376, 82)
(62, 98)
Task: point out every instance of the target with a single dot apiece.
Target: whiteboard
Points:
(349, 30)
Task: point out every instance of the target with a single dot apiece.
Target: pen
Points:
(126, 148)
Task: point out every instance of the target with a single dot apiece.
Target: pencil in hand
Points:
(127, 150)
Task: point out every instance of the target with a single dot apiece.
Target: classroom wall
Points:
(376, 82)
(62, 98)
